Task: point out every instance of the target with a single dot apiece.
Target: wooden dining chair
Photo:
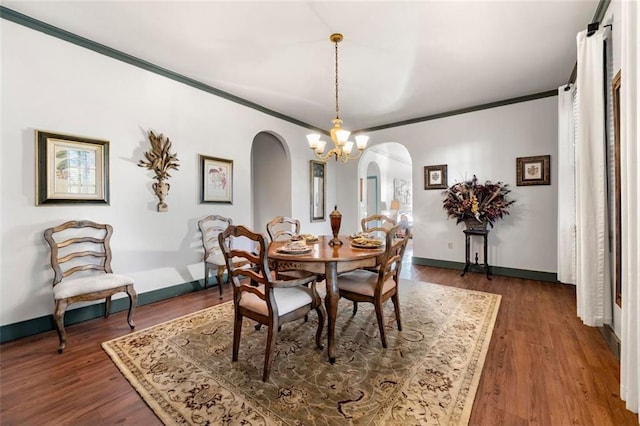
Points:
(377, 223)
(264, 299)
(210, 227)
(363, 286)
(82, 248)
(283, 228)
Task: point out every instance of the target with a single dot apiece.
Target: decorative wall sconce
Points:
(160, 160)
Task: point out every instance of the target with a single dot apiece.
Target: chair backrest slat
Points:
(75, 255)
(75, 269)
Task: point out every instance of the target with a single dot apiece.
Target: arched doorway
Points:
(271, 179)
(392, 164)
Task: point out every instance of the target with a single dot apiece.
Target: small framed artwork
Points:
(435, 177)
(216, 180)
(533, 170)
(318, 185)
(71, 169)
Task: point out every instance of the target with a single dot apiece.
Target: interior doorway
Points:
(388, 172)
(270, 179)
(373, 204)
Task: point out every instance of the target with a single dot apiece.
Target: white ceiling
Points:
(398, 60)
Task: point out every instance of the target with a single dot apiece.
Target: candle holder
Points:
(336, 220)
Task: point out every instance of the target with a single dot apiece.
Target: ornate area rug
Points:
(428, 374)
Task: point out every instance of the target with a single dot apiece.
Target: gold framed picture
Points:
(71, 169)
(435, 177)
(533, 170)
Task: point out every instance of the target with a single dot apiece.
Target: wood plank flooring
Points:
(543, 366)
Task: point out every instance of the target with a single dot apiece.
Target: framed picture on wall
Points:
(216, 180)
(317, 189)
(533, 170)
(71, 169)
(435, 177)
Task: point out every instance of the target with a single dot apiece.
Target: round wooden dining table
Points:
(330, 261)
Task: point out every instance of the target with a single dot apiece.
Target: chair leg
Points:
(107, 307)
(58, 316)
(220, 278)
(355, 308)
(396, 307)
(271, 346)
(206, 275)
(133, 302)
(381, 323)
(321, 317)
(237, 329)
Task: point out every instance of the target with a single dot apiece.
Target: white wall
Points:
(49, 84)
(486, 143)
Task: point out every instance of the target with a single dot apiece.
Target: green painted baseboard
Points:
(42, 324)
(495, 270)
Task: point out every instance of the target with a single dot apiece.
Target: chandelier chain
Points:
(337, 108)
(342, 148)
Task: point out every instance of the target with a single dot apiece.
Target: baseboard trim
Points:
(612, 339)
(45, 323)
(495, 270)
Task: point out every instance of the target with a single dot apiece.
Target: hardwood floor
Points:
(543, 366)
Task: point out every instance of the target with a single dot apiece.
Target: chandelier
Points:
(342, 146)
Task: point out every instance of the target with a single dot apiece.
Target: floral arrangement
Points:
(160, 159)
(471, 200)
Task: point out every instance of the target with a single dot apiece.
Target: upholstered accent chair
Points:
(363, 286)
(260, 297)
(210, 227)
(81, 262)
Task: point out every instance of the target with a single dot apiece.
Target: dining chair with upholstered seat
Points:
(377, 223)
(210, 227)
(283, 228)
(363, 286)
(81, 248)
(264, 299)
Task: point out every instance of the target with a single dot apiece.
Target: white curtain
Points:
(566, 186)
(593, 287)
(629, 118)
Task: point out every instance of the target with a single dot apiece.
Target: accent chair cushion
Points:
(216, 258)
(89, 284)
